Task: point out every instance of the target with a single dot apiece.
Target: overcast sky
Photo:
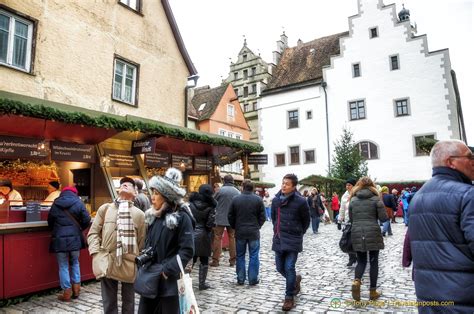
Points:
(213, 32)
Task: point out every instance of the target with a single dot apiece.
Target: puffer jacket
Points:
(204, 213)
(290, 218)
(66, 235)
(102, 239)
(247, 216)
(365, 210)
(441, 232)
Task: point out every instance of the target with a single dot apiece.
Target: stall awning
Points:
(57, 116)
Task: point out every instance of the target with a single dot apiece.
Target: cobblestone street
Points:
(326, 284)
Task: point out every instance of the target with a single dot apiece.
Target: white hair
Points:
(443, 149)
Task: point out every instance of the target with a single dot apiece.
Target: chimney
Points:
(282, 44)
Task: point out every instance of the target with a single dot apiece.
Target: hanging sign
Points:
(144, 146)
(20, 147)
(157, 160)
(202, 163)
(72, 152)
(258, 159)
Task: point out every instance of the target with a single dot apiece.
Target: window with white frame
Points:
(368, 150)
(230, 111)
(222, 132)
(294, 155)
(394, 63)
(418, 144)
(402, 107)
(309, 156)
(125, 82)
(16, 38)
(133, 4)
(357, 110)
(279, 160)
(238, 136)
(293, 119)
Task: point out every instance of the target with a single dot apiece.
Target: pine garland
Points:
(13, 107)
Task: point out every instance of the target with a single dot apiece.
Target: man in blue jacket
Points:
(441, 232)
(290, 217)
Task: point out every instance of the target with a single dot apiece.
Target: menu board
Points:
(72, 152)
(157, 160)
(20, 147)
(176, 161)
(202, 163)
(120, 158)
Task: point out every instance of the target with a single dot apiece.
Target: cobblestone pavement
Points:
(326, 284)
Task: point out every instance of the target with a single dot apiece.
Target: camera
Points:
(145, 257)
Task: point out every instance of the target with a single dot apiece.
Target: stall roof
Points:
(171, 137)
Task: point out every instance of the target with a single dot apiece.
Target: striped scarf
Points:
(126, 237)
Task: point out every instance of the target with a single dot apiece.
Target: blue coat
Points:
(441, 232)
(66, 236)
(290, 219)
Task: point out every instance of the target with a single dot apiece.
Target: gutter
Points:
(324, 85)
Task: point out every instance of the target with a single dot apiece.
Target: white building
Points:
(381, 82)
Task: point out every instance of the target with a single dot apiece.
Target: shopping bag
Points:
(187, 300)
(345, 244)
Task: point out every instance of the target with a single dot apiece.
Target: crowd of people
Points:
(439, 242)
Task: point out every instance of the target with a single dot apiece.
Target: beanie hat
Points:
(384, 189)
(206, 192)
(70, 188)
(351, 181)
(168, 185)
(54, 184)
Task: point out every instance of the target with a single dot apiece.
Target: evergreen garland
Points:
(13, 107)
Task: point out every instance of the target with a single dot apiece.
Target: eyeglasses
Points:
(470, 156)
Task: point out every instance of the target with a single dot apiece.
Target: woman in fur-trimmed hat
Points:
(170, 232)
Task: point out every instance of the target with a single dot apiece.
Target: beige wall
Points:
(74, 57)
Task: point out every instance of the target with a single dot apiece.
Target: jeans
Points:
(268, 213)
(405, 216)
(374, 266)
(315, 223)
(285, 265)
(217, 244)
(254, 263)
(387, 227)
(63, 262)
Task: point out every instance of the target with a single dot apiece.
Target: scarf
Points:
(126, 237)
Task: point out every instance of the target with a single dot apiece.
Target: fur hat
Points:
(168, 185)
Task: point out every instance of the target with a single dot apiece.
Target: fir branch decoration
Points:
(13, 107)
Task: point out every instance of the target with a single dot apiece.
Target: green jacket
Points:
(365, 211)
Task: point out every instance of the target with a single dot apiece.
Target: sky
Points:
(213, 32)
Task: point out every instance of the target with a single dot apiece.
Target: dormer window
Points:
(202, 106)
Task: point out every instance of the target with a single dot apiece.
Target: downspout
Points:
(193, 78)
(462, 129)
(323, 85)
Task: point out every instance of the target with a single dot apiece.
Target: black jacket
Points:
(441, 233)
(290, 219)
(167, 243)
(389, 201)
(204, 213)
(66, 236)
(247, 216)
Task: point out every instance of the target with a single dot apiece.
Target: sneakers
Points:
(288, 304)
(298, 284)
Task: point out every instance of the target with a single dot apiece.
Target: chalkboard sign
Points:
(20, 147)
(33, 211)
(72, 152)
(178, 159)
(157, 160)
(121, 159)
(202, 163)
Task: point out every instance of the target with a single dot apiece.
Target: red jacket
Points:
(335, 203)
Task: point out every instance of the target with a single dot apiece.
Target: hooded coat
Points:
(66, 235)
(441, 233)
(204, 212)
(365, 210)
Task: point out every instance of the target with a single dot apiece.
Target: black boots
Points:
(202, 277)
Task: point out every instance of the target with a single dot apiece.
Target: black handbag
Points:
(346, 242)
(147, 281)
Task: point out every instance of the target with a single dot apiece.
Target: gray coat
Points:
(224, 198)
(365, 209)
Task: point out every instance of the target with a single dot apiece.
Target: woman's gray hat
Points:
(168, 185)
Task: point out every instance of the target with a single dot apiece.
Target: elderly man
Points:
(441, 231)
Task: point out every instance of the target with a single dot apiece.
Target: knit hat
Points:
(351, 181)
(54, 184)
(168, 185)
(70, 188)
(384, 189)
(206, 192)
